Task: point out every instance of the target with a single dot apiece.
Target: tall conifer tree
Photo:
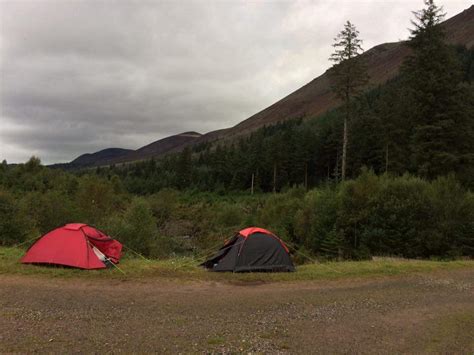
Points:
(442, 124)
(348, 75)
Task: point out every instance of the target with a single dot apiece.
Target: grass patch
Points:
(216, 341)
(449, 329)
(187, 269)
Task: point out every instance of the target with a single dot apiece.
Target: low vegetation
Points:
(187, 269)
(371, 215)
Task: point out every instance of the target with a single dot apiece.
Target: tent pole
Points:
(311, 259)
(133, 251)
(119, 269)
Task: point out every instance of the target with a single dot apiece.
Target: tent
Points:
(76, 245)
(252, 249)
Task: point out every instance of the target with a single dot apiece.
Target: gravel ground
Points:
(417, 313)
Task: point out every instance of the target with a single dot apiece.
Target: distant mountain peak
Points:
(153, 150)
(100, 157)
(190, 134)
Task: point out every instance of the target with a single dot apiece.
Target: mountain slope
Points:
(311, 100)
(118, 156)
(158, 148)
(315, 98)
(99, 158)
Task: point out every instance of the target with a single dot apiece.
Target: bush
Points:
(48, 210)
(451, 227)
(229, 215)
(96, 199)
(371, 215)
(164, 204)
(398, 217)
(14, 226)
(405, 216)
(278, 213)
(135, 228)
(315, 223)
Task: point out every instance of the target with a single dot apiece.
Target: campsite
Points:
(175, 307)
(318, 200)
(59, 299)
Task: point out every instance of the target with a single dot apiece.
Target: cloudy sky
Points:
(80, 76)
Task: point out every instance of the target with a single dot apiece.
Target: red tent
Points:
(77, 245)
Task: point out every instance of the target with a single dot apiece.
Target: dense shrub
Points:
(163, 204)
(96, 199)
(392, 219)
(452, 219)
(371, 215)
(48, 210)
(315, 222)
(278, 213)
(14, 226)
(136, 227)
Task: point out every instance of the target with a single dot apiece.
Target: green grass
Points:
(187, 269)
(455, 327)
(216, 340)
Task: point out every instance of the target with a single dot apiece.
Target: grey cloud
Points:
(79, 76)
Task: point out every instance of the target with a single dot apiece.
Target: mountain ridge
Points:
(100, 156)
(312, 99)
(111, 156)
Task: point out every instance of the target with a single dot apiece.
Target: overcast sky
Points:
(80, 76)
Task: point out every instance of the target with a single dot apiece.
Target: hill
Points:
(311, 100)
(99, 158)
(158, 148)
(315, 98)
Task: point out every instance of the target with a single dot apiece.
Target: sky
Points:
(80, 76)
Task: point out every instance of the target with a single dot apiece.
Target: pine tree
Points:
(348, 75)
(184, 168)
(441, 138)
(393, 110)
(332, 245)
(366, 144)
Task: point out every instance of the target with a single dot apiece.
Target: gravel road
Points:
(431, 312)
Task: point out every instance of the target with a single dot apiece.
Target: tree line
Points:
(373, 214)
(421, 122)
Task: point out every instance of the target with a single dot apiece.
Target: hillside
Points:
(316, 97)
(311, 100)
(100, 157)
(159, 147)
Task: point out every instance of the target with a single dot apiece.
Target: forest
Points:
(399, 185)
(384, 138)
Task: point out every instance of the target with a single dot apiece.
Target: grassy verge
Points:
(187, 269)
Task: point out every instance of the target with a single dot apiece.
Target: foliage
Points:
(384, 137)
(409, 173)
(14, 226)
(136, 227)
(48, 210)
(374, 214)
(185, 269)
(442, 131)
(349, 74)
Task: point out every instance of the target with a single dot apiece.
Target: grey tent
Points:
(251, 250)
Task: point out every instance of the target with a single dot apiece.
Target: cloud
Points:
(79, 76)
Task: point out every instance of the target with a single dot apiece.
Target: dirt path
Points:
(418, 313)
